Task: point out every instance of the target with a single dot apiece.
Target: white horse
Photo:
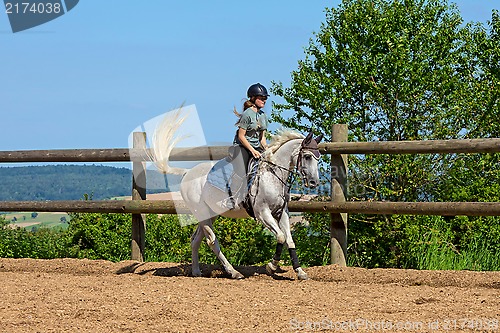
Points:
(269, 192)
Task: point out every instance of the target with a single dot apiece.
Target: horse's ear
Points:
(307, 139)
(319, 138)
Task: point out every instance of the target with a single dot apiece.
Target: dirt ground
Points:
(71, 295)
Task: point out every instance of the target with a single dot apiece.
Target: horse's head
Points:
(307, 162)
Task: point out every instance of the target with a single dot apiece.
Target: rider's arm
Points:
(263, 141)
(246, 144)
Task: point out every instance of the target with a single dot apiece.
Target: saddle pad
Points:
(221, 174)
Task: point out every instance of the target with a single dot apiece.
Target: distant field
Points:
(48, 220)
(44, 219)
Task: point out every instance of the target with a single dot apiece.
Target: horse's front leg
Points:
(273, 265)
(285, 227)
(266, 217)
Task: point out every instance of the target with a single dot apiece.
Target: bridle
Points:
(312, 150)
(308, 147)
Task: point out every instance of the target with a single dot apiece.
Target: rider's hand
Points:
(255, 154)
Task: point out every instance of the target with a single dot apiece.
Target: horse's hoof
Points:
(301, 275)
(196, 273)
(237, 275)
(271, 268)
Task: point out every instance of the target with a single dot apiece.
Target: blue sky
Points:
(88, 78)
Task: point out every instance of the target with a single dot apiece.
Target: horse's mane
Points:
(279, 139)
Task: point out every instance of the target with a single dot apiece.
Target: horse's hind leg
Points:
(212, 241)
(195, 247)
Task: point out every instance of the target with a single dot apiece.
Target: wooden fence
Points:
(338, 207)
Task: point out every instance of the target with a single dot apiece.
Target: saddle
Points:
(226, 179)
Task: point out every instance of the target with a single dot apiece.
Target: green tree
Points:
(391, 70)
(396, 70)
(485, 86)
(476, 177)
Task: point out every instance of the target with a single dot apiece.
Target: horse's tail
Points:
(163, 142)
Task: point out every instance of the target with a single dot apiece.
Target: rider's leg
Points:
(239, 183)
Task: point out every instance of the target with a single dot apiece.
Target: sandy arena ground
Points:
(71, 295)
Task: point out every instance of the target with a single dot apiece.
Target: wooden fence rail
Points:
(110, 155)
(178, 207)
(218, 152)
(413, 147)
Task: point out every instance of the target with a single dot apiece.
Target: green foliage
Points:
(63, 182)
(392, 70)
(373, 242)
(312, 239)
(452, 244)
(405, 70)
(383, 67)
(423, 243)
(108, 236)
(245, 241)
(100, 236)
(43, 244)
(167, 240)
(418, 242)
(471, 177)
(484, 88)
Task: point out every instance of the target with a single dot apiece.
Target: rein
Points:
(292, 175)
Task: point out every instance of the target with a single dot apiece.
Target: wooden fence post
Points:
(338, 222)
(138, 193)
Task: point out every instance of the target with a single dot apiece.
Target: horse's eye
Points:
(307, 157)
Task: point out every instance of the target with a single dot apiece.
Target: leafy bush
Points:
(312, 239)
(108, 236)
(244, 241)
(43, 244)
(166, 240)
(100, 236)
(404, 241)
(419, 242)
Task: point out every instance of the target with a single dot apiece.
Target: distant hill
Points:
(72, 182)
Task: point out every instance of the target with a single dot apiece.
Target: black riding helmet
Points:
(257, 89)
